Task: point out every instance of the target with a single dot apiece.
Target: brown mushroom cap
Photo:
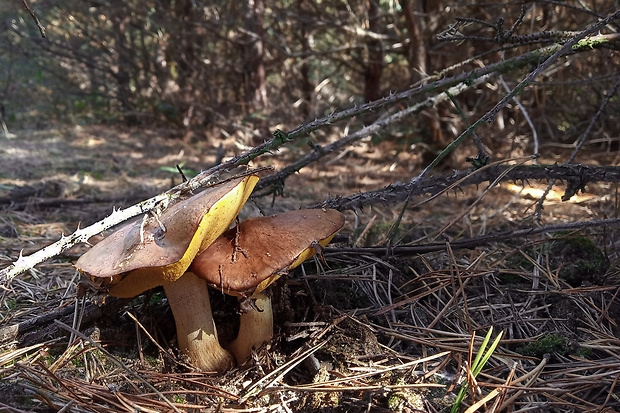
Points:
(141, 255)
(244, 260)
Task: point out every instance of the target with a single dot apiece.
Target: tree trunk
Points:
(254, 65)
(307, 86)
(123, 73)
(416, 53)
(374, 67)
(185, 59)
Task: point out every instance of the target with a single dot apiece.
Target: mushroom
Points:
(158, 250)
(246, 259)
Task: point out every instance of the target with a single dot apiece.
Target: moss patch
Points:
(551, 343)
(580, 259)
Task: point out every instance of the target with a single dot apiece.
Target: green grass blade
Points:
(482, 356)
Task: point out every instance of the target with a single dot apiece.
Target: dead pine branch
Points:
(453, 86)
(470, 243)
(157, 204)
(576, 176)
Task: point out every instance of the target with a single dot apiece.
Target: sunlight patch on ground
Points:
(92, 142)
(17, 152)
(537, 193)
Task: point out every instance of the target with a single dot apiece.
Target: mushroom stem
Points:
(189, 300)
(256, 328)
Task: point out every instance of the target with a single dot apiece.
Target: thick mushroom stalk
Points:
(255, 329)
(189, 300)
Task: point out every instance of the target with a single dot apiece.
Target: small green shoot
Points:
(190, 173)
(476, 366)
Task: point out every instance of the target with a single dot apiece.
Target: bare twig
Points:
(481, 153)
(474, 242)
(34, 17)
(577, 175)
(159, 202)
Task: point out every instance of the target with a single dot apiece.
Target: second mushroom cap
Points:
(245, 260)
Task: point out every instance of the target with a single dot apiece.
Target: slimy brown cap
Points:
(246, 259)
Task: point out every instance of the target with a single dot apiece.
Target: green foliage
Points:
(399, 400)
(381, 232)
(77, 362)
(12, 304)
(482, 356)
(375, 234)
(157, 298)
(577, 258)
(479, 161)
(551, 343)
(189, 173)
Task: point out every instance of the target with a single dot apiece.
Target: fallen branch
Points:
(452, 85)
(576, 176)
(471, 243)
(157, 203)
(277, 180)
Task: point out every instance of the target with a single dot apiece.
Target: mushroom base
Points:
(189, 300)
(256, 328)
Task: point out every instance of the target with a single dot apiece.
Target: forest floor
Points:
(365, 330)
